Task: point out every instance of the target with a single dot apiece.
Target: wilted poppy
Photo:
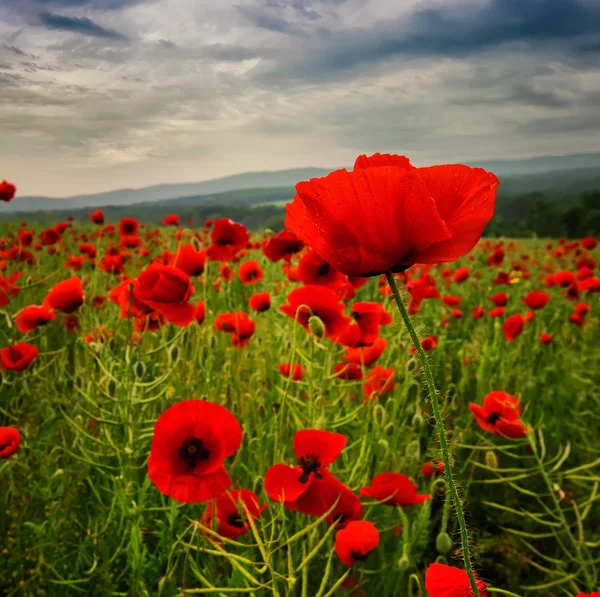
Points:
(388, 215)
(500, 415)
(66, 296)
(18, 357)
(33, 316)
(191, 440)
(356, 541)
(9, 441)
(447, 581)
(394, 489)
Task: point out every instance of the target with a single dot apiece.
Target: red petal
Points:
(324, 445)
(282, 483)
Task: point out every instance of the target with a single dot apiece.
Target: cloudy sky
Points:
(102, 94)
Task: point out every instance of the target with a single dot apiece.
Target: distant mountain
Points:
(580, 171)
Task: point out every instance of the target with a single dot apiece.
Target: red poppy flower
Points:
(250, 272)
(9, 441)
(50, 236)
(317, 301)
(71, 323)
(385, 214)
(233, 512)
(97, 217)
(496, 258)
(366, 356)
(295, 371)
(546, 338)
(369, 316)
(66, 296)
(428, 343)
(228, 237)
(578, 319)
(191, 440)
(589, 243)
(513, 327)
(393, 489)
(582, 309)
(446, 581)
(500, 299)
(171, 220)
(536, 300)
(500, 415)
(29, 318)
(7, 191)
(74, 262)
(461, 274)
(478, 312)
(261, 301)
(200, 313)
(594, 594)
(25, 238)
(456, 313)
(167, 291)
(452, 301)
(497, 312)
(572, 292)
(282, 245)
(18, 357)
(564, 278)
(356, 541)
(379, 380)
(312, 269)
(225, 272)
(350, 371)
(128, 227)
(243, 332)
(189, 260)
(308, 487)
(430, 467)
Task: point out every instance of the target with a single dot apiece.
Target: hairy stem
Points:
(435, 405)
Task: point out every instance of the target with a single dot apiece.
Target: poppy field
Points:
(376, 400)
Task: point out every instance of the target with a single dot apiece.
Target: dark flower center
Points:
(310, 464)
(493, 418)
(235, 520)
(359, 556)
(323, 270)
(225, 242)
(193, 451)
(4, 446)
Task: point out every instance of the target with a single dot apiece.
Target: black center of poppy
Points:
(493, 418)
(359, 556)
(224, 242)
(323, 269)
(293, 248)
(235, 520)
(310, 464)
(4, 446)
(193, 451)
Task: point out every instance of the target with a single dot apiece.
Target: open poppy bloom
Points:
(461, 274)
(394, 489)
(7, 191)
(350, 371)
(66, 296)
(366, 356)
(294, 371)
(228, 237)
(232, 512)
(428, 343)
(282, 245)
(18, 357)
(312, 269)
(97, 217)
(447, 581)
(260, 302)
(167, 291)
(320, 302)
(513, 327)
(309, 487)
(250, 272)
(369, 316)
(33, 316)
(356, 541)
(8, 288)
(387, 215)
(189, 260)
(9, 441)
(171, 220)
(536, 300)
(191, 440)
(500, 415)
(500, 299)
(128, 227)
(378, 381)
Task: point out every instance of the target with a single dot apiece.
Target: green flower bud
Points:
(174, 353)
(491, 459)
(379, 415)
(417, 421)
(443, 543)
(316, 326)
(139, 370)
(404, 563)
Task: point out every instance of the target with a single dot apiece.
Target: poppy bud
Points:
(316, 326)
(379, 415)
(443, 543)
(389, 429)
(174, 353)
(139, 369)
(417, 421)
(112, 387)
(491, 459)
(404, 563)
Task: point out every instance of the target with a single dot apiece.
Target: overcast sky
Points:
(103, 94)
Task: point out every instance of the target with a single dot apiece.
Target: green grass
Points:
(79, 516)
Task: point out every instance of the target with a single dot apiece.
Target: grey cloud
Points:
(81, 25)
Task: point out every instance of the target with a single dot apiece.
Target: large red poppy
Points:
(167, 291)
(536, 299)
(386, 214)
(66, 296)
(369, 316)
(191, 440)
(189, 260)
(500, 415)
(9, 441)
(33, 316)
(447, 581)
(309, 487)
(394, 489)
(356, 541)
(282, 245)
(320, 302)
(18, 357)
(228, 237)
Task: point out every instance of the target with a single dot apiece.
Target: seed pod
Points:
(389, 429)
(404, 563)
(379, 415)
(491, 459)
(174, 353)
(316, 326)
(112, 387)
(443, 543)
(139, 370)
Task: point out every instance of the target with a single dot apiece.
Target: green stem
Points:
(435, 406)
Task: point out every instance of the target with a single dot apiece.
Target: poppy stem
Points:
(435, 406)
